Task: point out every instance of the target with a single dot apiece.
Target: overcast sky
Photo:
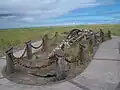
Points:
(31, 13)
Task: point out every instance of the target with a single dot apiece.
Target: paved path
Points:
(103, 73)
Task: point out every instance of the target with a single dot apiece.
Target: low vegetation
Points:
(17, 37)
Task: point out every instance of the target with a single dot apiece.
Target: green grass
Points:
(15, 37)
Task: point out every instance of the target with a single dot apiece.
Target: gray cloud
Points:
(36, 11)
(42, 9)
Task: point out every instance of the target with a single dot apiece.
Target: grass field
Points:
(16, 37)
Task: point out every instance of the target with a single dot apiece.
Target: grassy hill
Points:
(15, 37)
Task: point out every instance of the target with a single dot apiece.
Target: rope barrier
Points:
(35, 46)
(74, 37)
(20, 62)
(21, 55)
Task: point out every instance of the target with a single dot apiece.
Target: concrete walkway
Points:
(103, 73)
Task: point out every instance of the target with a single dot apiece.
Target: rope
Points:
(35, 47)
(52, 38)
(78, 38)
(82, 45)
(69, 61)
(21, 55)
(97, 32)
(50, 62)
(73, 38)
(20, 62)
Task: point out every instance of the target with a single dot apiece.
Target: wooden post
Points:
(56, 34)
(44, 43)
(102, 35)
(29, 50)
(46, 36)
(80, 58)
(83, 54)
(109, 34)
(90, 46)
(94, 40)
(61, 65)
(60, 72)
(119, 47)
(55, 38)
(9, 61)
